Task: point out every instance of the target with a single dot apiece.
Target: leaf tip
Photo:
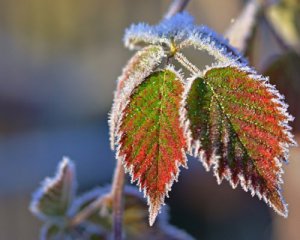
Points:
(154, 210)
(65, 172)
(279, 205)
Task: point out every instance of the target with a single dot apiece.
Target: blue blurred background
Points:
(59, 60)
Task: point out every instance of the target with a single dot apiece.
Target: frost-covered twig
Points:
(186, 63)
(176, 7)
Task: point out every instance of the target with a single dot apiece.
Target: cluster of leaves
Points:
(57, 205)
(228, 116)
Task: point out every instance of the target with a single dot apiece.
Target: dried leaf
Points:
(151, 142)
(56, 194)
(237, 123)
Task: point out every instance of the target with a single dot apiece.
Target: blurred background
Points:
(59, 61)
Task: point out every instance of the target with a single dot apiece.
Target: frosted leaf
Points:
(204, 38)
(53, 198)
(142, 64)
(237, 123)
(143, 34)
(178, 26)
(179, 32)
(151, 139)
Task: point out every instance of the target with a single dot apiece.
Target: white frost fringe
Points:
(145, 60)
(194, 147)
(154, 208)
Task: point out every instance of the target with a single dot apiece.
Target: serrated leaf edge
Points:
(156, 209)
(170, 32)
(193, 149)
(50, 182)
(134, 79)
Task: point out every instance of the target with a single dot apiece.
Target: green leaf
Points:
(151, 138)
(53, 199)
(140, 66)
(237, 123)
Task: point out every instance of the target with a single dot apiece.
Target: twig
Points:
(115, 196)
(186, 63)
(176, 7)
(241, 30)
(117, 193)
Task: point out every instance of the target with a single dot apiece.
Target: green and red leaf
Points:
(151, 139)
(237, 123)
(140, 66)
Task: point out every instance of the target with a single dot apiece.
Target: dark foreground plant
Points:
(227, 115)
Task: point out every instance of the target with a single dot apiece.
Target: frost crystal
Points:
(137, 69)
(181, 31)
(230, 117)
(237, 124)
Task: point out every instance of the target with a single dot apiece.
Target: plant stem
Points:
(176, 7)
(115, 196)
(186, 63)
(117, 193)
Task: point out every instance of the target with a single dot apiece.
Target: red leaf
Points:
(238, 124)
(140, 66)
(152, 143)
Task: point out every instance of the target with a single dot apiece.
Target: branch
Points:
(241, 30)
(176, 7)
